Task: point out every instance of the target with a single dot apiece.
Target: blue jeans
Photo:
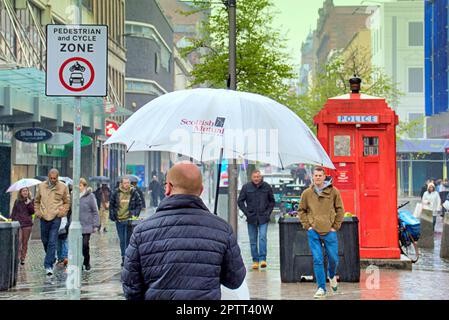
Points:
(122, 231)
(258, 232)
(62, 249)
(49, 237)
(330, 241)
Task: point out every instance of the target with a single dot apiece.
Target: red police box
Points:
(359, 134)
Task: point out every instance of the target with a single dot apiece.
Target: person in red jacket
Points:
(22, 212)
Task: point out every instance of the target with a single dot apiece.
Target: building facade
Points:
(397, 41)
(149, 74)
(436, 67)
(307, 62)
(359, 45)
(185, 27)
(401, 47)
(436, 24)
(22, 93)
(336, 26)
(110, 159)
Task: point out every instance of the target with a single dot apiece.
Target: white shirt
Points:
(431, 201)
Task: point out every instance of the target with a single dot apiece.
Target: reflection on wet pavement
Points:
(428, 280)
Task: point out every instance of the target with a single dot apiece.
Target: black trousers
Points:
(154, 198)
(86, 255)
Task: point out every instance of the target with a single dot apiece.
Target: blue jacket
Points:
(183, 252)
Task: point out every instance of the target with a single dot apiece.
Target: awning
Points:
(32, 80)
(422, 145)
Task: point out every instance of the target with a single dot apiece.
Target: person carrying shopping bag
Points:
(431, 202)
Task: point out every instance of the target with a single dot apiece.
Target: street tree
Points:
(332, 79)
(262, 65)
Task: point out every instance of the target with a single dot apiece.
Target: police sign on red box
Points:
(77, 60)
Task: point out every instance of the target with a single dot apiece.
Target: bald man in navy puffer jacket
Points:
(183, 252)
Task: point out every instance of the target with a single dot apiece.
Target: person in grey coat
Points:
(89, 218)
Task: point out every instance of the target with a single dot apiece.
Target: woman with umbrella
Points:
(22, 212)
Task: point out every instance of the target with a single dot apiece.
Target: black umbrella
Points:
(131, 177)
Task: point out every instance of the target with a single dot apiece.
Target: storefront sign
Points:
(85, 141)
(33, 135)
(111, 127)
(60, 138)
(52, 150)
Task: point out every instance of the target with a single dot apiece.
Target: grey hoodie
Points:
(327, 183)
(89, 217)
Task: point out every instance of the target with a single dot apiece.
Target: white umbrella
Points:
(66, 180)
(199, 123)
(23, 183)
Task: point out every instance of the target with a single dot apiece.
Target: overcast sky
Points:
(295, 18)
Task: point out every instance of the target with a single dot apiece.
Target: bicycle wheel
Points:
(409, 248)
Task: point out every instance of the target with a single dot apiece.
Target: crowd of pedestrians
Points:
(183, 251)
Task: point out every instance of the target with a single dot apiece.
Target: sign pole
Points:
(73, 282)
(232, 168)
(78, 69)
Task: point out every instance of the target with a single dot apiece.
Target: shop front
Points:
(419, 160)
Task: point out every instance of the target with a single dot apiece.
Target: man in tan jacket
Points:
(52, 202)
(321, 213)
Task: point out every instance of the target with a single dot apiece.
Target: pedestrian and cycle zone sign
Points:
(77, 60)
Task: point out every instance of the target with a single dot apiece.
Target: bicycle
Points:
(408, 228)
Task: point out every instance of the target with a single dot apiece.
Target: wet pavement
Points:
(429, 278)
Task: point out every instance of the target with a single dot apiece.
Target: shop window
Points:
(370, 146)
(342, 146)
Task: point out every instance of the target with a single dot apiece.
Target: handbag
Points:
(62, 229)
(418, 209)
(446, 205)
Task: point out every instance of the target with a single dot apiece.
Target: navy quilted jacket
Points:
(183, 252)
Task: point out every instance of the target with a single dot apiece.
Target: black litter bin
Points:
(9, 258)
(296, 258)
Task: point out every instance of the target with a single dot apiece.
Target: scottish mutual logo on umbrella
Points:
(199, 123)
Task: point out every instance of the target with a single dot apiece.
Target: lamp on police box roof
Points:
(355, 84)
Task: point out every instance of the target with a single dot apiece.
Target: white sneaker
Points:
(49, 271)
(334, 284)
(320, 293)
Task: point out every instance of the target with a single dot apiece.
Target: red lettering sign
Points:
(343, 177)
(111, 127)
